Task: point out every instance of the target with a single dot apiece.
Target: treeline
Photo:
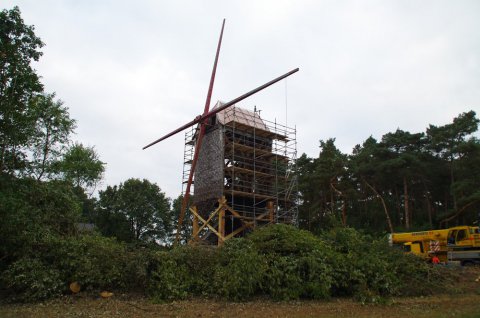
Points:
(405, 181)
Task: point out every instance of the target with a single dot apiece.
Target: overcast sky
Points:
(131, 71)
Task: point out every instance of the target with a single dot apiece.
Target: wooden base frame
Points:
(216, 221)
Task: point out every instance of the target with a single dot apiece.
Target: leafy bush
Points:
(296, 263)
(364, 266)
(182, 272)
(95, 262)
(284, 239)
(277, 261)
(239, 270)
(167, 279)
(32, 212)
(28, 279)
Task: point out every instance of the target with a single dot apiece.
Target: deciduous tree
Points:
(19, 47)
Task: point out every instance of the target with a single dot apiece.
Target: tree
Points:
(364, 166)
(403, 163)
(81, 166)
(108, 218)
(322, 187)
(446, 141)
(19, 46)
(467, 184)
(52, 131)
(142, 205)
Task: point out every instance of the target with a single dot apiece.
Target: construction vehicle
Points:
(457, 244)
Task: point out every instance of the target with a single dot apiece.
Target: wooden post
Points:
(270, 208)
(195, 225)
(221, 220)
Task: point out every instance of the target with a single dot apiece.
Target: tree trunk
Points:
(344, 208)
(429, 210)
(452, 180)
(387, 216)
(429, 204)
(2, 156)
(405, 197)
(332, 203)
(45, 155)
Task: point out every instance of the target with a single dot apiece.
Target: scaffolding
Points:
(245, 175)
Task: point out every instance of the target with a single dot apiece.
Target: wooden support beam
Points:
(200, 223)
(214, 230)
(240, 229)
(221, 224)
(270, 208)
(195, 230)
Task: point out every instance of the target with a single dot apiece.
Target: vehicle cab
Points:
(463, 237)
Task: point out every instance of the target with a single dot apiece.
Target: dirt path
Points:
(467, 305)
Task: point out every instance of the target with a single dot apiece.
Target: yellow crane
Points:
(459, 243)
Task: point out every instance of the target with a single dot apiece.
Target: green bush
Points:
(31, 213)
(95, 262)
(364, 266)
(296, 263)
(239, 270)
(181, 272)
(168, 280)
(28, 279)
(278, 261)
(284, 239)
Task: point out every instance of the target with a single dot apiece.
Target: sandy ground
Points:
(465, 305)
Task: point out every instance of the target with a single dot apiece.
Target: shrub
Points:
(31, 212)
(239, 270)
(296, 263)
(362, 264)
(182, 272)
(95, 262)
(29, 279)
(167, 279)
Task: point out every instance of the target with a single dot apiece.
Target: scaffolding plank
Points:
(250, 172)
(237, 146)
(257, 131)
(249, 194)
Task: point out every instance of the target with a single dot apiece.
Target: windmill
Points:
(203, 121)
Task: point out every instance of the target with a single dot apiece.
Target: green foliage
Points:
(168, 280)
(53, 127)
(19, 46)
(239, 271)
(285, 263)
(181, 272)
(362, 264)
(40, 247)
(81, 166)
(284, 240)
(409, 180)
(31, 212)
(29, 279)
(136, 210)
(186, 229)
(296, 260)
(95, 262)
